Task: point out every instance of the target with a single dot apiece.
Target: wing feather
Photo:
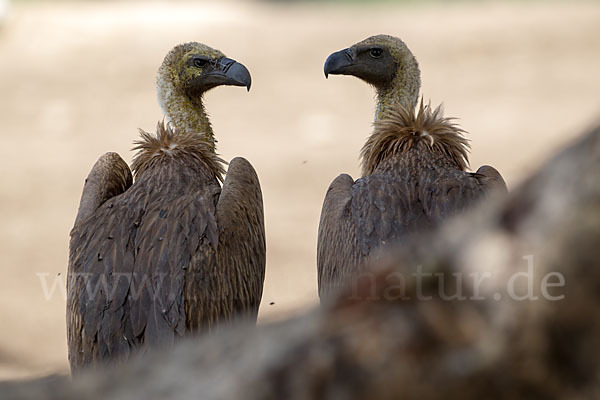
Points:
(109, 177)
(379, 210)
(129, 262)
(337, 247)
(492, 179)
(242, 247)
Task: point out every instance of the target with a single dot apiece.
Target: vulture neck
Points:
(403, 91)
(186, 115)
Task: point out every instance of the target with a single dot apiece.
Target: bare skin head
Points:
(386, 63)
(188, 71)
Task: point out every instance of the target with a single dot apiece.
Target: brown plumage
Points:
(403, 127)
(413, 166)
(175, 252)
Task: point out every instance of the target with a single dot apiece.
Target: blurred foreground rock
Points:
(451, 315)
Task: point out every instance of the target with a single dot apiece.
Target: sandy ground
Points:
(77, 80)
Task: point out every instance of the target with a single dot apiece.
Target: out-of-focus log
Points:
(401, 332)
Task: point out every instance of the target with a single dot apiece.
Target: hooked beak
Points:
(339, 62)
(229, 72)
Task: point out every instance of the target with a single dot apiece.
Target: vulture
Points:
(414, 166)
(182, 248)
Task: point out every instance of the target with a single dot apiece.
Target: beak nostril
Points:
(348, 54)
(227, 66)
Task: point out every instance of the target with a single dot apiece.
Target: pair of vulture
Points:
(182, 249)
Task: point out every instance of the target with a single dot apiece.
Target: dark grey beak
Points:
(339, 62)
(230, 72)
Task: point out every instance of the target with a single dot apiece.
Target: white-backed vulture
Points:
(413, 166)
(173, 252)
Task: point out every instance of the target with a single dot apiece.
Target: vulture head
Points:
(383, 61)
(187, 72)
(194, 68)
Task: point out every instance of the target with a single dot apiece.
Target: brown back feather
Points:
(168, 143)
(401, 128)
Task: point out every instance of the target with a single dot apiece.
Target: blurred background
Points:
(77, 80)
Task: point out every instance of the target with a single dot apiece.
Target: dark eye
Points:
(200, 62)
(376, 53)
